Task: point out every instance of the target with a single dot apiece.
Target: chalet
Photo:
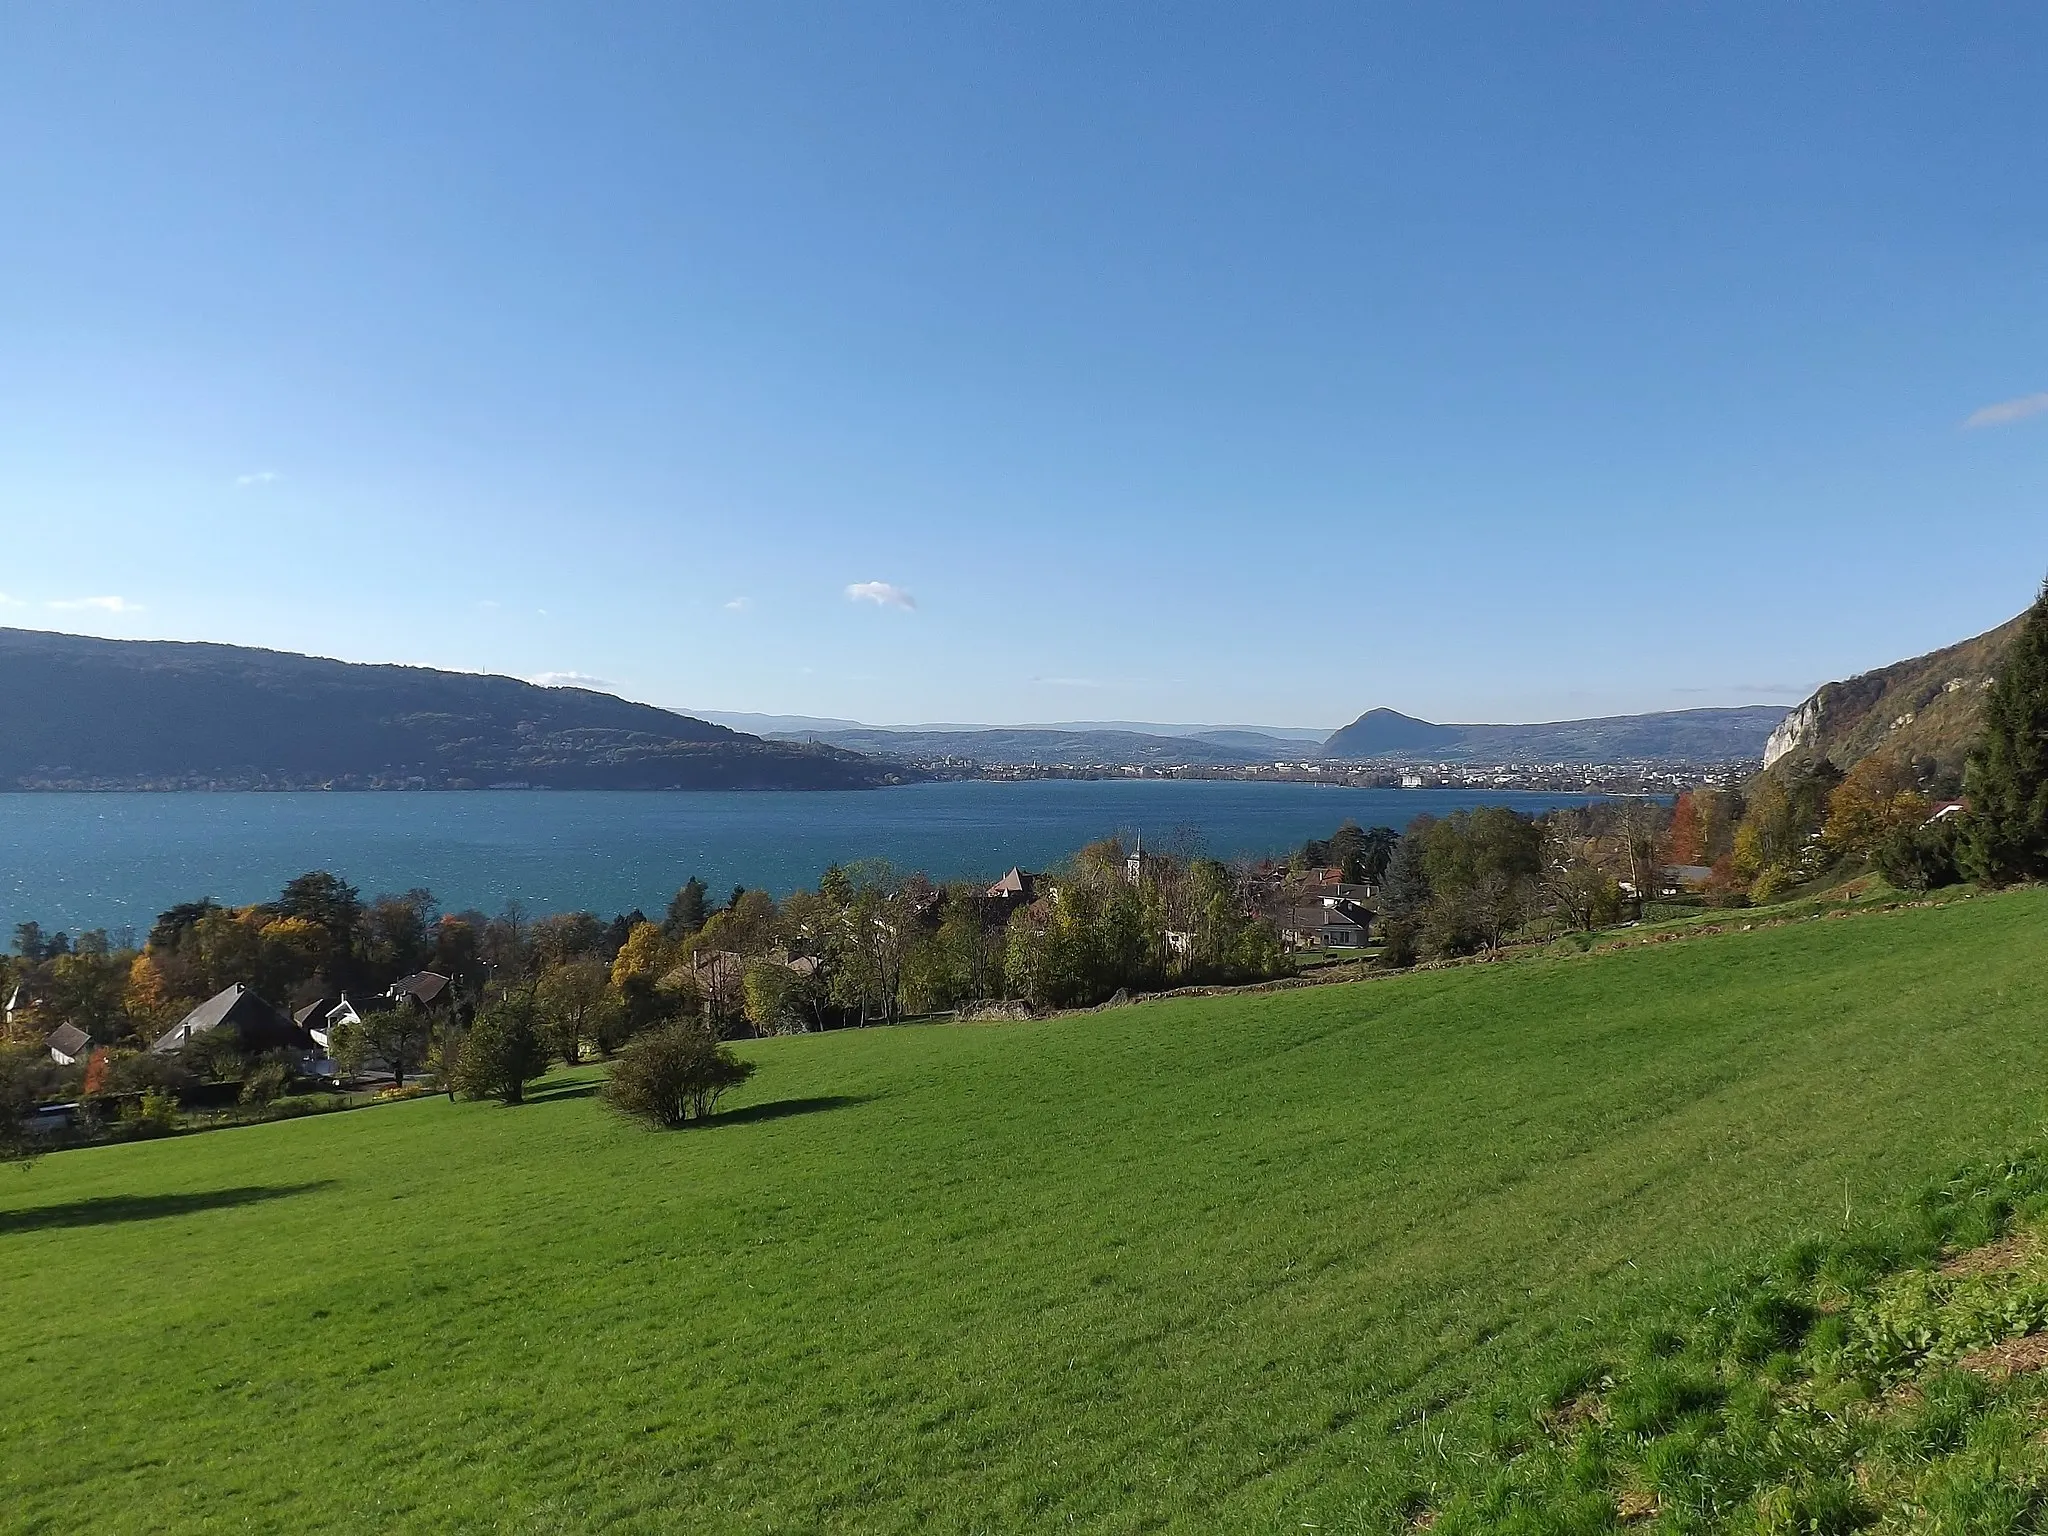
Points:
(254, 1023)
(1018, 888)
(320, 1017)
(427, 991)
(1331, 924)
(69, 1045)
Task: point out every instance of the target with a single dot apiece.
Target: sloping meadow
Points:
(1555, 1244)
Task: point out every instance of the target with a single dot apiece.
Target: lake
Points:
(78, 861)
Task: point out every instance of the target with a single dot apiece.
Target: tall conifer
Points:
(2006, 834)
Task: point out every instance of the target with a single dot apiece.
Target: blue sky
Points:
(1052, 362)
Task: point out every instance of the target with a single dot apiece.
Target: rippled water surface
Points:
(77, 861)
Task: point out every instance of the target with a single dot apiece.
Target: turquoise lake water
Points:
(76, 861)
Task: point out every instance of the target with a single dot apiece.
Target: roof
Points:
(237, 1007)
(423, 987)
(1323, 916)
(71, 1040)
(1018, 882)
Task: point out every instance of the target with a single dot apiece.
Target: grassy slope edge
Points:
(1238, 1262)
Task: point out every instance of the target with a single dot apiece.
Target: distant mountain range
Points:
(1676, 736)
(84, 713)
(1047, 747)
(1380, 735)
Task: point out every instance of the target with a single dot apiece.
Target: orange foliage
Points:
(1686, 841)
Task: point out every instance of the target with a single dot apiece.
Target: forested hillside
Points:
(77, 712)
(1927, 708)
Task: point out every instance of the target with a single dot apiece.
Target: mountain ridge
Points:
(1731, 734)
(77, 711)
(1926, 707)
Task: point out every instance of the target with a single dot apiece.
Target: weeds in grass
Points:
(1883, 1378)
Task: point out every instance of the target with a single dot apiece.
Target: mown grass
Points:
(1246, 1263)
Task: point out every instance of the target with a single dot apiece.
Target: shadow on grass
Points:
(779, 1108)
(105, 1210)
(566, 1091)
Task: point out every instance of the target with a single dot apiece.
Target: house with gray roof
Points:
(69, 1045)
(256, 1025)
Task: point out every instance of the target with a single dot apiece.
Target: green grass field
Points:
(1236, 1263)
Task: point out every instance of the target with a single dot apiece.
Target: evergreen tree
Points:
(686, 911)
(2006, 835)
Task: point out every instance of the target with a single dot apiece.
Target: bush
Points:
(25, 1078)
(264, 1082)
(1921, 858)
(144, 1072)
(674, 1074)
(502, 1052)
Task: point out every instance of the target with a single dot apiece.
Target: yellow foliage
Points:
(146, 994)
(643, 954)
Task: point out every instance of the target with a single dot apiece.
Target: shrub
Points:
(24, 1077)
(145, 1071)
(503, 1051)
(674, 1074)
(1921, 858)
(265, 1081)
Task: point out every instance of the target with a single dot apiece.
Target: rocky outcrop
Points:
(1928, 708)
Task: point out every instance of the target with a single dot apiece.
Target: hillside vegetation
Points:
(86, 713)
(1233, 1263)
(1929, 707)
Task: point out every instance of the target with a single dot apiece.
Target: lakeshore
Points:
(114, 860)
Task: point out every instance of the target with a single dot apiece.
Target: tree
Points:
(502, 1051)
(1406, 891)
(674, 1074)
(348, 1048)
(2005, 837)
(1877, 797)
(1685, 842)
(685, 910)
(25, 1077)
(400, 1036)
(1921, 857)
(772, 989)
(570, 998)
(398, 934)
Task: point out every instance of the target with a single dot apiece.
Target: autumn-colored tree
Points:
(1685, 841)
(643, 956)
(1876, 799)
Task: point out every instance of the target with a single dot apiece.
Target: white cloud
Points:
(568, 680)
(1070, 682)
(881, 593)
(9, 602)
(2006, 412)
(258, 477)
(104, 604)
(739, 605)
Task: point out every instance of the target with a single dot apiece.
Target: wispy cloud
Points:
(258, 477)
(487, 602)
(1070, 682)
(103, 604)
(2006, 412)
(883, 594)
(739, 605)
(9, 602)
(568, 680)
